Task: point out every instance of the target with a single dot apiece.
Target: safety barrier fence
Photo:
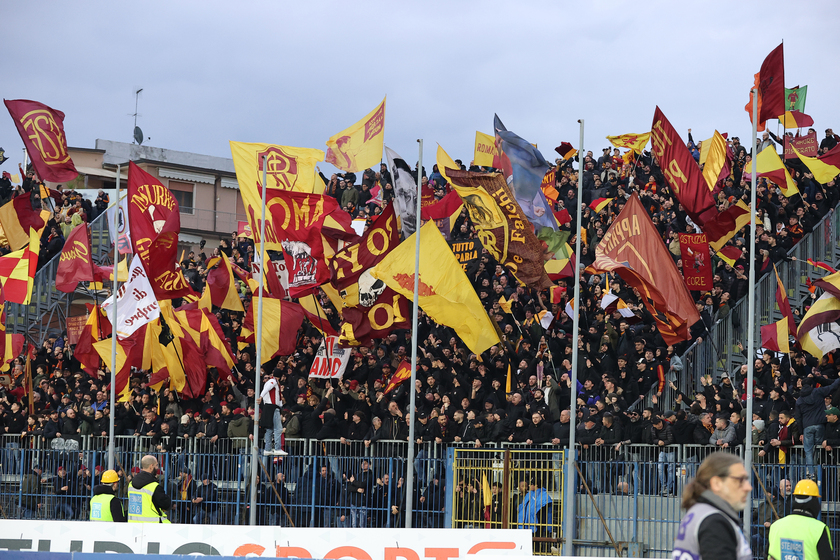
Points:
(627, 498)
(719, 352)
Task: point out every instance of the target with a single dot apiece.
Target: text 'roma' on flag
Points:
(42, 130)
(17, 271)
(359, 146)
(445, 292)
(632, 248)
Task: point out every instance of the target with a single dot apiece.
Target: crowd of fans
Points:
(461, 397)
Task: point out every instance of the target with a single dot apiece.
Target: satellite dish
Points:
(138, 135)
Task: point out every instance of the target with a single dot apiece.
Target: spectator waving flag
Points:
(17, 271)
(22, 213)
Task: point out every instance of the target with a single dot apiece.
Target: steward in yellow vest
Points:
(105, 506)
(147, 502)
(800, 535)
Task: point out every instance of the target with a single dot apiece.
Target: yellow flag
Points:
(635, 142)
(291, 169)
(823, 172)
(445, 292)
(769, 165)
(103, 348)
(360, 146)
(485, 149)
(715, 149)
(444, 162)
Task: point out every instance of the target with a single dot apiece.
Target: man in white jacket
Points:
(271, 401)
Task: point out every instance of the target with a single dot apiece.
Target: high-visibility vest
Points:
(100, 507)
(795, 537)
(140, 506)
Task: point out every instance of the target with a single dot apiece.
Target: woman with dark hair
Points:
(711, 528)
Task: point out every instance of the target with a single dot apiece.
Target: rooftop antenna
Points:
(138, 134)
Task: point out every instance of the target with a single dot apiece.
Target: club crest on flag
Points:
(281, 169)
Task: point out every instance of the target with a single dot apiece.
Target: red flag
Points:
(155, 221)
(363, 324)
(775, 336)
(783, 303)
(42, 130)
(222, 285)
(697, 268)
(563, 217)
(633, 249)
(403, 373)
(443, 208)
(681, 171)
(726, 224)
(97, 328)
(770, 82)
(378, 240)
(75, 264)
(20, 215)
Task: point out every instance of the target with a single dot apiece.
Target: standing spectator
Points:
(270, 419)
(206, 502)
(661, 435)
(361, 489)
(810, 417)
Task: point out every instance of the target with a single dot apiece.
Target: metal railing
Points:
(719, 352)
(48, 307)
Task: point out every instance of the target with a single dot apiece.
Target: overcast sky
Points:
(296, 73)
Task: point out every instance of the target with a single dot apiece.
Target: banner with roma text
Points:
(485, 149)
(331, 360)
(42, 130)
(287, 168)
(360, 146)
(696, 261)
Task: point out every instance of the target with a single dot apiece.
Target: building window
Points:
(183, 193)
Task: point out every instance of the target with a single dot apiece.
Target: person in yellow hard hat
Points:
(800, 535)
(105, 506)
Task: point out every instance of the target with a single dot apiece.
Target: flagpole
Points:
(115, 284)
(748, 391)
(409, 486)
(258, 340)
(569, 522)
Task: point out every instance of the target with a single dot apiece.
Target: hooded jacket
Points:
(810, 406)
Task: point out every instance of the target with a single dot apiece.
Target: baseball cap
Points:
(833, 410)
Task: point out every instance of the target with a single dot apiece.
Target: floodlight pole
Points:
(748, 391)
(255, 447)
(116, 282)
(409, 486)
(569, 506)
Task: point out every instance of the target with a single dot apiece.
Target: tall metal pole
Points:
(569, 506)
(115, 284)
(751, 313)
(255, 448)
(409, 486)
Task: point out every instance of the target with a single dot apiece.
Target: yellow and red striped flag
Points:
(17, 271)
(775, 336)
(599, 204)
(403, 373)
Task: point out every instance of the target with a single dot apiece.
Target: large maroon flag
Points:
(681, 171)
(42, 130)
(155, 221)
(75, 264)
